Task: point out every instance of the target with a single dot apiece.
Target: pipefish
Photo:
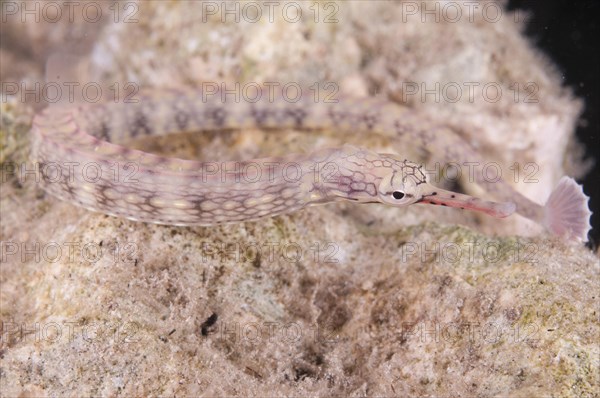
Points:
(80, 152)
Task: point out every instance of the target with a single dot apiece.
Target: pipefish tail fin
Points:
(567, 212)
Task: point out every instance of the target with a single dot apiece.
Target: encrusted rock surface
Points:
(281, 307)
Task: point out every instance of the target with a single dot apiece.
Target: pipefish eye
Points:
(398, 195)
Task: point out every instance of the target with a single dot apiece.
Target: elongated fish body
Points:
(82, 160)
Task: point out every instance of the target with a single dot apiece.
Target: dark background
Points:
(567, 31)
